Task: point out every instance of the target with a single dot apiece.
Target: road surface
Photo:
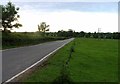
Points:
(16, 60)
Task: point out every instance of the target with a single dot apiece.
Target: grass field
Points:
(93, 60)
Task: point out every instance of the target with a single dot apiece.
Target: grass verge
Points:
(93, 60)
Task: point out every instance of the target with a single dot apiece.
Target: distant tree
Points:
(61, 33)
(108, 35)
(82, 34)
(76, 34)
(43, 28)
(95, 35)
(101, 35)
(70, 33)
(88, 35)
(116, 35)
(10, 16)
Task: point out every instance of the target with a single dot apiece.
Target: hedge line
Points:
(18, 39)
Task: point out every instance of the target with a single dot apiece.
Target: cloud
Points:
(78, 21)
(72, 6)
(61, 1)
(77, 16)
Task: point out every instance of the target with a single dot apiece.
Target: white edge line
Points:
(36, 63)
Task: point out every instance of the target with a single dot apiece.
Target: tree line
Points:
(82, 34)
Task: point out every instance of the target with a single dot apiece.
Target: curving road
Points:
(16, 60)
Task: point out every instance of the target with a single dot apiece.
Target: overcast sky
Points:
(79, 16)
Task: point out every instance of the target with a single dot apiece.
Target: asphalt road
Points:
(18, 59)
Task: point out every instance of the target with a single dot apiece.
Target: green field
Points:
(93, 60)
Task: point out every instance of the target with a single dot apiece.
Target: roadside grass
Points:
(93, 60)
(17, 39)
(52, 67)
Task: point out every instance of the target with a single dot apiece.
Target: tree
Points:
(95, 35)
(10, 16)
(70, 33)
(43, 27)
(62, 33)
(88, 35)
(82, 34)
(116, 35)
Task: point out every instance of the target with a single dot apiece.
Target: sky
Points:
(77, 15)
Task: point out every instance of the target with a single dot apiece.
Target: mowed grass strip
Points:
(94, 60)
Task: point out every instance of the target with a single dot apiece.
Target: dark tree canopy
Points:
(10, 16)
(97, 35)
